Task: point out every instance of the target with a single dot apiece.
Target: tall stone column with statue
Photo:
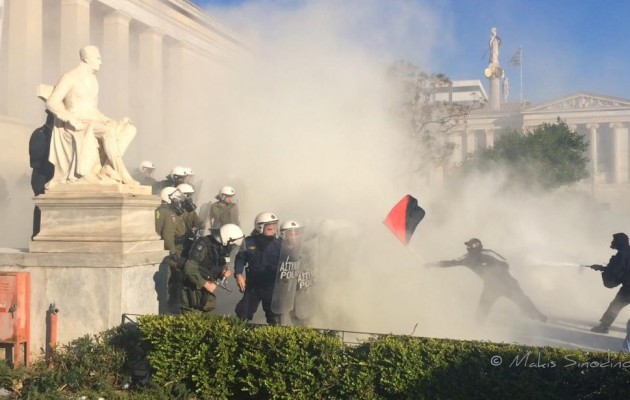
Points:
(494, 72)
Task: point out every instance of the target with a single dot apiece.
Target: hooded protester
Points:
(615, 273)
(492, 268)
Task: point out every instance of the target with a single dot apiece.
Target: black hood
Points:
(620, 241)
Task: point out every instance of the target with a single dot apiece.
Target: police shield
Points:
(305, 291)
(287, 273)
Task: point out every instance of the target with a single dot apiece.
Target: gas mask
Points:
(176, 207)
(189, 205)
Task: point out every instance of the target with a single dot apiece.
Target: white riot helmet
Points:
(231, 234)
(186, 189)
(263, 219)
(225, 191)
(289, 225)
(146, 166)
(169, 193)
(188, 171)
(178, 171)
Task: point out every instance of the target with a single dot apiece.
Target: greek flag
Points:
(515, 61)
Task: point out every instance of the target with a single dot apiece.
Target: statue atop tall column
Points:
(86, 145)
(494, 72)
(494, 43)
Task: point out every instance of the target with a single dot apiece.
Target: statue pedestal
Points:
(90, 218)
(96, 258)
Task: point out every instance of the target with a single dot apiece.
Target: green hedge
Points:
(193, 357)
(221, 358)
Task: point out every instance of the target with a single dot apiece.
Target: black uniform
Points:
(616, 272)
(261, 255)
(492, 268)
(43, 170)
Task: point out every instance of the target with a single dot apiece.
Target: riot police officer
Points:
(207, 265)
(224, 210)
(291, 233)
(144, 173)
(259, 254)
(193, 223)
(171, 226)
(177, 176)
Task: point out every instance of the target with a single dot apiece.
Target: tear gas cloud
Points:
(309, 135)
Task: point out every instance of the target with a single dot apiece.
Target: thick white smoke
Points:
(306, 131)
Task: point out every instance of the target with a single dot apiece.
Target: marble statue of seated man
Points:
(86, 146)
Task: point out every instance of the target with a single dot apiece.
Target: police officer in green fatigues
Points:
(171, 226)
(224, 211)
(207, 265)
(193, 223)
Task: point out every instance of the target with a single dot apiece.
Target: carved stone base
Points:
(96, 218)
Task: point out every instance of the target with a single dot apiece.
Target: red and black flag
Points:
(403, 219)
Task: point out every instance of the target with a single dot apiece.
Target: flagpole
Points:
(418, 256)
(520, 49)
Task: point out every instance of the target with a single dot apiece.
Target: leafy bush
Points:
(194, 357)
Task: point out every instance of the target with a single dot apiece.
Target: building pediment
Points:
(582, 101)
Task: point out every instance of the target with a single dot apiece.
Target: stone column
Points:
(489, 138)
(592, 137)
(75, 31)
(115, 71)
(24, 60)
(178, 91)
(620, 152)
(458, 152)
(495, 93)
(150, 87)
(471, 142)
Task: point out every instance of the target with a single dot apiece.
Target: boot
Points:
(601, 328)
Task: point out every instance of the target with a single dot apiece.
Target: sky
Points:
(567, 46)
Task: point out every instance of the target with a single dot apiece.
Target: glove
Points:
(597, 267)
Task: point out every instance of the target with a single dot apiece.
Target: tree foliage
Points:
(550, 156)
(427, 121)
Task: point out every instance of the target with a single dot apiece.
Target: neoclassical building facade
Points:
(603, 120)
(154, 53)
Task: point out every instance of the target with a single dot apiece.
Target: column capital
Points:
(617, 125)
(151, 31)
(592, 126)
(117, 16)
